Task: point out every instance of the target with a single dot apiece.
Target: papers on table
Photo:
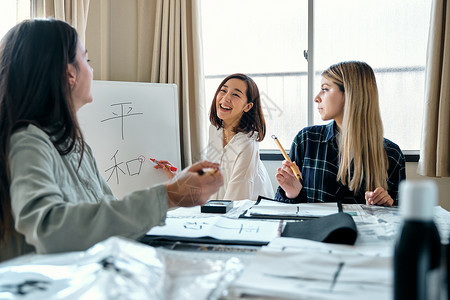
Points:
(271, 209)
(442, 220)
(297, 269)
(219, 228)
(382, 224)
(280, 209)
(293, 244)
(291, 268)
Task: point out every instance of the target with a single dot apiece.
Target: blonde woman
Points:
(348, 159)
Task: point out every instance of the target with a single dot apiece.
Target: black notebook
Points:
(339, 228)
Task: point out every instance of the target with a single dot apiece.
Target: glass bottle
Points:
(417, 252)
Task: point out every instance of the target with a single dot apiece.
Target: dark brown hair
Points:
(35, 89)
(251, 121)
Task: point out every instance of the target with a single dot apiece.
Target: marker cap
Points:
(418, 199)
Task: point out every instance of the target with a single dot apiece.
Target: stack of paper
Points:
(220, 228)
(268, 208)
(302, 269)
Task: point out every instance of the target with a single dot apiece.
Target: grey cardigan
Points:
(58, 207)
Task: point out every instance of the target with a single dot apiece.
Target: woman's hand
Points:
(287, 179)
(379, 197)
(189, 188)
(161, 164)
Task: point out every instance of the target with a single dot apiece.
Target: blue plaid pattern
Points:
(315, 151)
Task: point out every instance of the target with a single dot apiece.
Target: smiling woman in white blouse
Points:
(237, 125)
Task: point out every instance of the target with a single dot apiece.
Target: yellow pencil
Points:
(286, 157)
(207, 171)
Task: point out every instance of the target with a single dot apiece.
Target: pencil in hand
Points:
(286, 157)
(209, 171)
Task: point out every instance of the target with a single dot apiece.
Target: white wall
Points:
(443, 183)
(111, 38)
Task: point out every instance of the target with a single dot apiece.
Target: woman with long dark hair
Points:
(52, 196)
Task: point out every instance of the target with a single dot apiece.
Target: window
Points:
(267, 42)
(7, 15)
(12, 12)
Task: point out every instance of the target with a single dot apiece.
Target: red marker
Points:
(168, 165)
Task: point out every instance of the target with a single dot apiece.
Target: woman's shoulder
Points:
(392, 149)
(242, 145)
(30, 132)
(317, 128)
(246, 138)
(316, 132)
(31, 140)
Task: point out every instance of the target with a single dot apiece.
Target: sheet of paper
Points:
(382, 224)
(254, 283)
(305, 264)
(442, 220)
(384, 214)
(274, 208)
(294, 244)
(297, 268)
(220, 228)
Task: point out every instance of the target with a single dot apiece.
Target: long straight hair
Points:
(361, 150)
(35, 89)
(251, 121)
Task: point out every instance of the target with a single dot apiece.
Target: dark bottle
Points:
(447, 267)
(418, 249)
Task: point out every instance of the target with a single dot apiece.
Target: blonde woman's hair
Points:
(361, 144)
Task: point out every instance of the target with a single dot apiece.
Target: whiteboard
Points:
(127, 124)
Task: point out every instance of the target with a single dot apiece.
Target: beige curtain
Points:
(435, 147)
(74, 12)
(170, 51)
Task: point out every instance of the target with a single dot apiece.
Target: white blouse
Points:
(245, 176)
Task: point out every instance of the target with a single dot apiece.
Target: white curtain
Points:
(435, 146)
(170, 51)
(74, 12)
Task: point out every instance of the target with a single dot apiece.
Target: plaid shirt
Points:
(315, 152)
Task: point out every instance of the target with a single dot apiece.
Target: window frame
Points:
(275, 155)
